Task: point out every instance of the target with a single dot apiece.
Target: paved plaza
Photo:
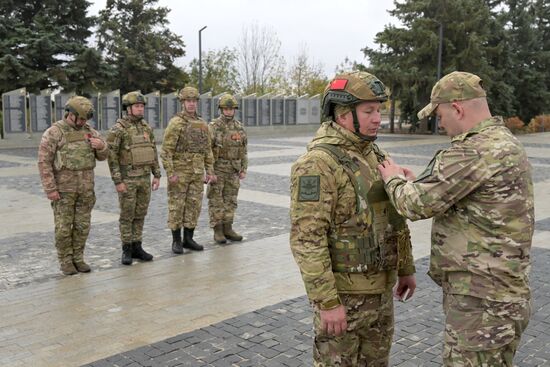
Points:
(238, 304)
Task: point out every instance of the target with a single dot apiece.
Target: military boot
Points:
(82, 267)
(229, 233)
(126, 254)
(189, 242)
(218, 234)
(139, 253)
(68, 268)
(177, 245)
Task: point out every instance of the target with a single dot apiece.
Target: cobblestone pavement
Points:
(281, 334)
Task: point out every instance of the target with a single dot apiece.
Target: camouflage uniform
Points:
(186, 152)
(230, 154)
(480, 194)
(66, 162)
(349, 244)
(132, 159)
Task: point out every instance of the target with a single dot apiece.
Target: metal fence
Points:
(25, 113)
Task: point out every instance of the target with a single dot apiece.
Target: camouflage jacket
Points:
(53, 177)
(311, 221)
(229, 143)
(186, 147)
(480, 193)
(128, 142)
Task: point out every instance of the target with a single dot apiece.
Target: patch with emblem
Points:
(309, 188)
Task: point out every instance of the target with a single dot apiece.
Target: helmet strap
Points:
(356, 127)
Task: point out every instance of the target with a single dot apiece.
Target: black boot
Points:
(189, 242)
(139, 253)
(177, 246)
(126, 254)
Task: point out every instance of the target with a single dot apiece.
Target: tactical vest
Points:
(141, 153)
(368, 241)
(76, 154)
(232, 144)
(193, 137)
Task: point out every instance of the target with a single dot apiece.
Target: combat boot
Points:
(177, 246)
(67, 268)
(82, 267)
(218, 234)
(229, 233)
(126, 254)
(139, 253)
(189, 242)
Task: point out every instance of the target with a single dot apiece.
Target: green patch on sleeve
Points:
(309, 188)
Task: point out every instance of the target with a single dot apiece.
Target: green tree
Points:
(406, 59)
(39, 39)
(219, 71)
(135, 39)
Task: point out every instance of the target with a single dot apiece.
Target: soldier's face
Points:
(228, 112)
(137, 109)
(190, 105)
(448, 119)
(76, 121)
(368, 115)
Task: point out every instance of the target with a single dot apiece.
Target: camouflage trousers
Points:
(367, 340)
(482, 333)
(185, 200)
(222, 198)
(72, 216)
(133, 208)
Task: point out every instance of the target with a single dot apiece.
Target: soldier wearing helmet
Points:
(186, 156)
(348, 241)
(231, 161)
(132, 160)
(66, 159)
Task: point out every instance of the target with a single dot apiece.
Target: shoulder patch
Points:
(309, 188)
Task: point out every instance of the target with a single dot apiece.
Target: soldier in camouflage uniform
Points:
(229, 148)
(66, 161)
(186, 154)
(480, 195)
(348, 241)
(132, 159)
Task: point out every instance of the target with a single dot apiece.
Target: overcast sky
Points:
(331, 29)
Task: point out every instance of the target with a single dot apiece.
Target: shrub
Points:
(539, 124)
(515, 125)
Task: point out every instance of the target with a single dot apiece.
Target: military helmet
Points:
(350, 88)
(228, 101)
(133, 98)
(188, 93)
(81, 107)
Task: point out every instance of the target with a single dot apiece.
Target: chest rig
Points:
(230, 141)
(193, 136)
(138, 149)
(368, 241)
(77, 153)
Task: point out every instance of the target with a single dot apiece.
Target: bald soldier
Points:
(186, 156)
(66, 160)
(349, 242)
(229, 143)
(479, 192)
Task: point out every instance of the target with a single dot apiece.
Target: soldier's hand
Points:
(409, 175)
(155, 184)
(54, 195)
(405, 287)
(212, 179)
(173, 179)
(333, 321)
(121, 187)
(389, 169)
(97, 143)
(242, 175)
